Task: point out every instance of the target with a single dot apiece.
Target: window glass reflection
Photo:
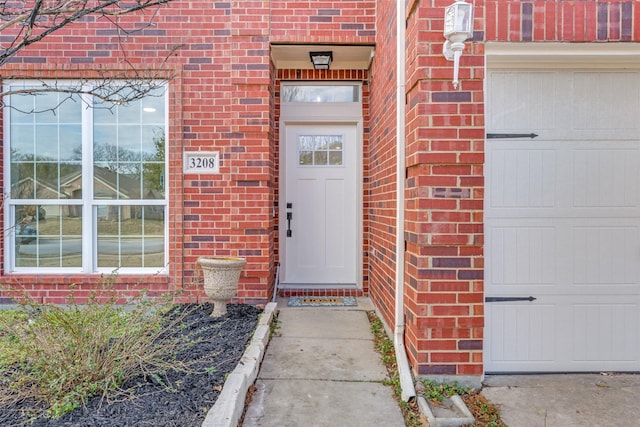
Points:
(48, 235)
(320, 93)
(130, 236)
(320, 150)
(50, 134)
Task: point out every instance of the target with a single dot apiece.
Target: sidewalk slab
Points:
(568, 400)
(322, 358)
(315, 322)
(322, 403)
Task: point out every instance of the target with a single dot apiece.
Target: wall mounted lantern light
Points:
(321, 60)
(458, 27)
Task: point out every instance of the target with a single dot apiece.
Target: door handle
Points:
(289, 216)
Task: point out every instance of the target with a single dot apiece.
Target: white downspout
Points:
(404, 371)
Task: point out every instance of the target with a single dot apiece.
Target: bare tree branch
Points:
(25, 22)
(46, 17)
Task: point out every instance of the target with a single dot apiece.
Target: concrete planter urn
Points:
(221, 276)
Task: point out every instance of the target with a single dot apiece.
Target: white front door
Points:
(562, 221)
(318, 220)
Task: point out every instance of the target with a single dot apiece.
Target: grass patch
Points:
(485, 414)
(384, 346)
(436, 392)
(58, 357)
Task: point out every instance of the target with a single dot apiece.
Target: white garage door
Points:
(562, 221)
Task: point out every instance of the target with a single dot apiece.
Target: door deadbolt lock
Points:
(289, 216)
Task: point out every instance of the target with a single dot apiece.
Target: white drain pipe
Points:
(408, 391)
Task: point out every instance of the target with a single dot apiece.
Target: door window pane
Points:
(320, 150)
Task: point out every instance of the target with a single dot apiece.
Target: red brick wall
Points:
(381, 156)
(445, 157)
(575, 21)
(323, 21)
(220, 102)
(222, 98)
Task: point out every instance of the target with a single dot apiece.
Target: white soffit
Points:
(296, 56)
(562, 55)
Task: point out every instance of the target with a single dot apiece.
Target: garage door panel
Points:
(605, 177)
(522, 178)
(525, 336)
(565, 104)
(533, 179)
(562, 221)
(522, 332)
(597, 97)
(520, 101)
(605, 332)
(561, 256)
(605, 255)
(522, 256)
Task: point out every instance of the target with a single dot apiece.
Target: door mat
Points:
(302, 301)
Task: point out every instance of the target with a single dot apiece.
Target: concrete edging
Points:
(465, 418)
(227, 410)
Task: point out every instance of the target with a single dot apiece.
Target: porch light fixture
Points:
(458, 27)
(321, 60)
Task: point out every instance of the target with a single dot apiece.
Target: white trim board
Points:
(562, 55)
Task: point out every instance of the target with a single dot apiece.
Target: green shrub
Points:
(60, 356)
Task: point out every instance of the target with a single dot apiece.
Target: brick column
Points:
(444, 225)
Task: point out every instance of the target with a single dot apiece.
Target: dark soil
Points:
(181, 399)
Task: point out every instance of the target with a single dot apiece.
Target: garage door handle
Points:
(508, 299)
(511, 135)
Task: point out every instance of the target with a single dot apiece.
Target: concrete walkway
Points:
(321, 369)
(570, 400)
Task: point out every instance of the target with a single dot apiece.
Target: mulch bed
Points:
(182, 399)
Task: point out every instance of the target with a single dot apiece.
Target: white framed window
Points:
(84, 182)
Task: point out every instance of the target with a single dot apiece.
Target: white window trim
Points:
(88, 203)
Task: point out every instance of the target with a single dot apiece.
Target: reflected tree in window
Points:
(125, 204)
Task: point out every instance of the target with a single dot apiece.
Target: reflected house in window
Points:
(108, 185)
(42, 189)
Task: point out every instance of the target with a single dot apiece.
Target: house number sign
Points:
(202, 162)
